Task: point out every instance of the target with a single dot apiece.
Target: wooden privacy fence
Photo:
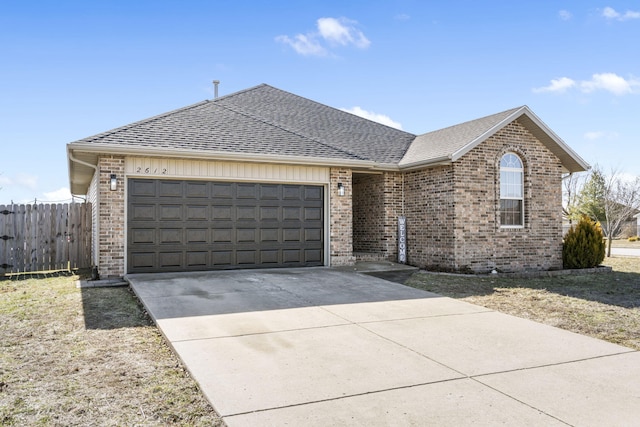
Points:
(45, 237)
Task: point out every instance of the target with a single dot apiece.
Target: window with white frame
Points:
(511, 191)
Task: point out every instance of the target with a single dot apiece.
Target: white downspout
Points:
(95, 168)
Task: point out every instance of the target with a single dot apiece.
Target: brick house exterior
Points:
(354, 177)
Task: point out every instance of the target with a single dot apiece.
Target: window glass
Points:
(511, 191)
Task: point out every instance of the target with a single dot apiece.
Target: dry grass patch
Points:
(625, 243)
(71, 357)
(605, 306)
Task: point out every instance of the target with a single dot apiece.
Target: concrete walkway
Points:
(320, 347)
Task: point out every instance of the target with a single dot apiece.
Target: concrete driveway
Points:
(319, 347)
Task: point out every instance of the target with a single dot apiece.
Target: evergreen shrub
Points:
(583, 245)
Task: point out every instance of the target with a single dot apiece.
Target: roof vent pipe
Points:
(215, 88)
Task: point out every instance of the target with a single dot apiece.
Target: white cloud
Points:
(402, 17)
(342, 31)
(557, 85)
(598, 135)
(592, 136)
(59, 195)
(380, 118)
(565, 15)
(333, 31)
(609, 82)
(611, 14)
(304, 45)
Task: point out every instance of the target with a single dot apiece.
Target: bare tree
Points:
(571, 185)
(621, 202)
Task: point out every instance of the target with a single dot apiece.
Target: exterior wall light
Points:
(340, 189)
(113, 183)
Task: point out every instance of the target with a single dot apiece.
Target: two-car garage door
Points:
(176, 225)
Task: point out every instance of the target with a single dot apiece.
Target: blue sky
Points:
(71, 69)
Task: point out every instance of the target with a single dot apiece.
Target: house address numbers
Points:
(148, 171)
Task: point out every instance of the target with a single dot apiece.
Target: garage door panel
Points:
(291, 235)
(170, 189)
(197, 259)
(246, 257)
(200, 225)
(170, 260)
(247, 191)
(246, 235)
(268, 235)
(171, 236)
(269, 192)
(170, 212)
(312, 255)
(311, 214)
(223, 190)
(291, 256)
(313, 193)
(291, 192)
(197, 235)
(143, 236)
(143, 260)
(197, 190)
(269, 213)
(197, 212)
(291, 213)
(246, 213)
(222, 235)
(270, 257)
(313, 235)
(142, 188)
(221, 258)
(222, 212)
(143, 212)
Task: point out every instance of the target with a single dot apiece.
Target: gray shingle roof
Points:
(444, 143)
(265, 123)
(263, 120)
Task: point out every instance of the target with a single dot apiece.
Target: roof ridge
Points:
(241, 91)
(163, 115)
(325, 143)
(238, 110)
(510, 111)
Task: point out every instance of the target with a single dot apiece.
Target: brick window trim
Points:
(526, 194)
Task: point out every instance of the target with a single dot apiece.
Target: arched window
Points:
(511, 191)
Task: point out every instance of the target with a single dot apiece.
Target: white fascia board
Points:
(217, 155)
(563, 145)
(438, 161)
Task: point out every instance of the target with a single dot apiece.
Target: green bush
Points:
(583, 245)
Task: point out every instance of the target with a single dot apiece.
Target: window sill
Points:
(511, 227)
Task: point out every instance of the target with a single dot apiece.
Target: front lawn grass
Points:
(604, 306)
(72, 357)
